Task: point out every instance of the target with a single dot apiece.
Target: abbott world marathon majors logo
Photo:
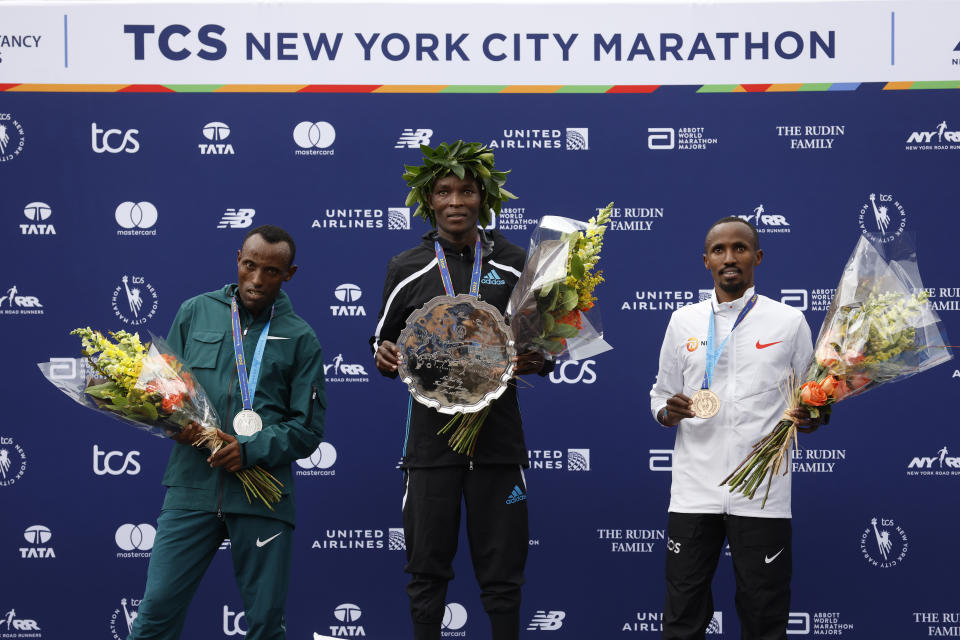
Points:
(651, 621)
(340, 371)
(13, 461)
(569, 139)
(38, 538)
(631, 540)
(319, 463)
(559, 460)
(135, 540)
(940, 464)
(346, 294)
(314, 139)
(37, 214)
(391, 218)
(942, 137)
(12, 137)
(121, 620)
(679, 139)
(136, 218)
(882, 217)
(823, 624)
(391, 539)
(216, 134)
(884, 543)
(135, 301)
(14, 303)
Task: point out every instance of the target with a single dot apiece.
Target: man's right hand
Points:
(678, 408)
(387, 357)
(189, 434)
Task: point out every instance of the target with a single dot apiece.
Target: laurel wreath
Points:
(459, 159)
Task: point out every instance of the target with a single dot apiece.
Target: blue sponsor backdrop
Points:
(598, 490)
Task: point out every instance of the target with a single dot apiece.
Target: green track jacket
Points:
(289, 398)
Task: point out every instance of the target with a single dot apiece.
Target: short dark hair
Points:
(273, 235)
(726, 219)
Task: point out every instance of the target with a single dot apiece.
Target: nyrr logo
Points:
(661, 459)
(578, 139)
(140, 298)
(115, 463)
(232, 622)
(37, 535)
(454, 619)
(236, 218)
(135, 540)
(337, 371)
(10, 622)
(314, 138)
(12, 304)
(795, 298)
(100, 140)
(885, 545)
(319, 462)
(766, 222)
(216, 133)
(347, 292)
(574, 372)
(546, 620)
(136, 218)
(121, 621)
(413, 138)
(37, 213)
(347, 614)
(13, 461)
(11, 137)
(883, 218)
(941, 464)
(941, 138)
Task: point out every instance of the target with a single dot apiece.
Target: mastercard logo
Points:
(692, 344)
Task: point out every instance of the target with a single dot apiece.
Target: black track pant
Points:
(499, 535)
(762, 562)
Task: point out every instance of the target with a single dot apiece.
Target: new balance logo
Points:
(516, 495)
(547, 620)
(413, 138)
(494, 278)
(237, 219)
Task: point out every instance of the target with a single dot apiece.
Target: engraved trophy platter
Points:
(456, 354)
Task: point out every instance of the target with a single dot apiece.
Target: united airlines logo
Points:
(413, 138)
(568, 139)
(578, 139)
(236, 218)
(546, 620)
(398, 218)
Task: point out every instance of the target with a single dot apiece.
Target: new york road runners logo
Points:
(12, 137)
(134, 301)
(882, 217)
(884, 543)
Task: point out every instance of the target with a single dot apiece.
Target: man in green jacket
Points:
(205, 501)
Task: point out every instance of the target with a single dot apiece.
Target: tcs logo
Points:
(574, 371)
(100, 140)
(107, 463)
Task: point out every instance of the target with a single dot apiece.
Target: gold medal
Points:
(247, 423)
(706, 403)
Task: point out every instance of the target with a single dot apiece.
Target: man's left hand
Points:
(229, 456)
(806, 424)
(528, 362)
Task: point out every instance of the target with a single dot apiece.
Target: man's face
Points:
(456, 205)
(262, 268)
(730, 256)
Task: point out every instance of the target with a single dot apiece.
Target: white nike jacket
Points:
(772, 339)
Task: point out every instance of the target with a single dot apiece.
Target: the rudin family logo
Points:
(37, 535)
(413, 138)
(659, 300)
(393, 218)
(11, 137)
(338, 371)
(233, 622)
(346, 626)
(121, 620)
(941, 138)
(319, 463)
(661, 460)
(941, 464)
(123, 141)
(817, 623)
(570, 139)
(512, 219)
(816, 460)
(454, 619)
(766, 222)
(37, 213)
(559, 460)
(943, 298)
(884, 543)
(216, 133)
(236, 218)
(136, 218)
(13, 461)
(390, 539)
(883, 217)
(134, 301)
(544, 620)
(811, 136)
(17, 627)
(679, 139)
(574, 372)
(633, 218)
(14, 304)
(938, 623)
(314, 138)
(135, 540)
(115, 463)
(347, 293)
(631, 540)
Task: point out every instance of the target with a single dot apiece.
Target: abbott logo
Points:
(798, 624)
(661, 138)
(661, 459)
(139, 537)
(547, 620)
(236, 219)
(314, 135)
(413, 138)
(795, 298)
(136, 215)
(100, 140)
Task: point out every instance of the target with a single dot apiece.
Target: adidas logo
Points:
(493, 277)
(516, 495)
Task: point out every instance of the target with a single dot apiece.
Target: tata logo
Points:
(37, 535)
(216, 133)
(115, 463)
(113, 140)
(573, 372)
(347, 292)
(37, 213)
(346, 614)
(231, 622)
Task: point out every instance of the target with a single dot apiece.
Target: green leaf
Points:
(458, 170)
(565, 330)
(576, 267)
(105, 391)
(548, 323)
(546, 291)
(570, 299)
(506, 195)
(411, 198)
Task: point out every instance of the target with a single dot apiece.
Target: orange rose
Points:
(827, 356)
(842, 390)
(829, 385)
(811, 394)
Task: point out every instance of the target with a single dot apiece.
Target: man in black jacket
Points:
(437, 479)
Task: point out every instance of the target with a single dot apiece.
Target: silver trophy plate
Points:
(456, 354)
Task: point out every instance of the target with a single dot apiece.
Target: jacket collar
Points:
(487, 243)
(281, 306)
(736, 306)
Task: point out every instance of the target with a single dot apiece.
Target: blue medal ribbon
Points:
(713, 351)
(445, 271)
(248, 386)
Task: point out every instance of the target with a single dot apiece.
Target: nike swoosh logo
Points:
(769, 344)
(766, 559)
(276, 338)
(261, 543)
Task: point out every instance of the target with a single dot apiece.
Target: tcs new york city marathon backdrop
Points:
(118, 203)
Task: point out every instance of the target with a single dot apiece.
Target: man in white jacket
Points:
(739, 345)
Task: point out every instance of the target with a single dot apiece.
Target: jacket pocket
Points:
(203, 349)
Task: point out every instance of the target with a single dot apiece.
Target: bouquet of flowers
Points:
(145, 385)
(552, 307)
(878, 329)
